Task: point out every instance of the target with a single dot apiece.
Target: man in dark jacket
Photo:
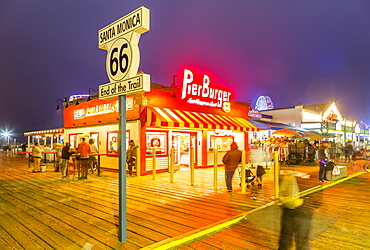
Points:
(66, 153)
(231, 160)
(323, 159)
(131, 156)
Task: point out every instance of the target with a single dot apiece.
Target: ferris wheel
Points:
(264, 102)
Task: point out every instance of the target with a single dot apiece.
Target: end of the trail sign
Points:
(121, 41)
(139, 83)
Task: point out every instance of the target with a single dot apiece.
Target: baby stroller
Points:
(249, 176)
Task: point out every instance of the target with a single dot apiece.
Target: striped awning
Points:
(164, 117)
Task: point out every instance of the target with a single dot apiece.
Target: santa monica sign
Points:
(121, 39)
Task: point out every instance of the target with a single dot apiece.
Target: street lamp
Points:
(89, 98)
(77, 98)
(7, 134)
(58, 103)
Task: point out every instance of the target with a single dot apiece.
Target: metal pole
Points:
(215, 169)
(172, 161)
(192, 166)
(243, 172)
(154, 164)
(138, 170)
(276, 175)
(122, 169)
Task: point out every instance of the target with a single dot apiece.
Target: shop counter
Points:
(98, 155)
(44, 153)
(28, 156)
(49, 153)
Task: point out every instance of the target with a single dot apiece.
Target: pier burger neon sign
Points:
(204, 94)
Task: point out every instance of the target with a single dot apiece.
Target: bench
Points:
(343, 173)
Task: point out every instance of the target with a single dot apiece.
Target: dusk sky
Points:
(308, 52)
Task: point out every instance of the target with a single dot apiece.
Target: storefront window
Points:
(158, 141)
(221, 143)
(112, 142)
(73, 140)
(95, 137)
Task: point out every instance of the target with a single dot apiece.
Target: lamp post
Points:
(77, 98)
(7, 134)
(89, 98)
(58, 103)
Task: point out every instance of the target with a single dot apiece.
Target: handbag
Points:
(335, 171)
(260, 170)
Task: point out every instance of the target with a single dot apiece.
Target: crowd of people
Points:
(82, 158)
(304, 152)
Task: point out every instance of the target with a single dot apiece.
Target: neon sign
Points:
(102, 109)
(203, 94)
(254, 114)
(264, 103)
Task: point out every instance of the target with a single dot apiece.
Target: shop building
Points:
(323, 118)
(47, 138)
(177, 117)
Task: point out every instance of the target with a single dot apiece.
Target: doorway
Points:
(182, 143)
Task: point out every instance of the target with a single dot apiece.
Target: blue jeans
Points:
(229, 179)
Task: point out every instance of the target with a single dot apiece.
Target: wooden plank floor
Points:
(341, 222)
(41, 211)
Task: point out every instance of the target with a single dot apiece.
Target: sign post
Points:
(120, 39)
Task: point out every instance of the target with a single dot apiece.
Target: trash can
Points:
(43, 167)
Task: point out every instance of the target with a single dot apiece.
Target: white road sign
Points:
(133, 85)
(137, 21)
(121, 40)
(119, 59)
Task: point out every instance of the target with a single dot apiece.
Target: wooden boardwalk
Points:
(341, 222)
(41, 211)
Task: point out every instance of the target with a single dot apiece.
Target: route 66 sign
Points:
(121, 39)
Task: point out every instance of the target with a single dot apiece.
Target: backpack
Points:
(289, 192)
(330, 165)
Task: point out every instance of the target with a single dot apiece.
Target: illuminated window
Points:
(113, 143)
(157, 141)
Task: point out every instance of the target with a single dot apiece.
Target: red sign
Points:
(203, 93)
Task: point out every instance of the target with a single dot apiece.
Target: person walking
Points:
(66, 153)
(297, 216)
(359, 161)
(93, 163)
(323, 160)
(83, 150)
(36, 155)
(348, 151)
(338, 151)
(24, 148)
(131, 156)
(231, 161)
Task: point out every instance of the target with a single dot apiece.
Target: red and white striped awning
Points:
(164, 117)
